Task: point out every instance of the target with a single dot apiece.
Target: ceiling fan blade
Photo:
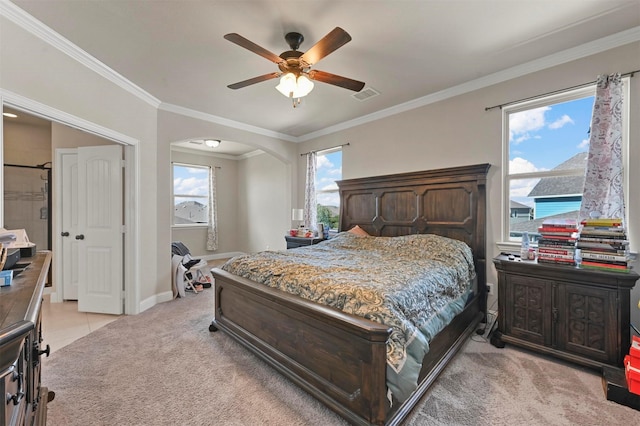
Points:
(332, 41)
(336, 80)
(254, 80)
(249, 45)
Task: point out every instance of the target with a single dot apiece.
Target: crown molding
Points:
(176, 109)
(606, 43)
(46, 34)
(37, 28)
(196, 151)
(44, 111)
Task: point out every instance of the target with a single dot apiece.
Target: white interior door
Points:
(69, 224)
(100, 229)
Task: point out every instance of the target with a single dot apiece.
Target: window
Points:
(190, 194)
(328, 171)
(547, 148)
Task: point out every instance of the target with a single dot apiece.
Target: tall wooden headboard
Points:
(450, 202)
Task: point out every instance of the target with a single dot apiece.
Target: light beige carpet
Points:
(163, 367)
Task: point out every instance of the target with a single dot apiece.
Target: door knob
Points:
(64, 234)
(80, 237)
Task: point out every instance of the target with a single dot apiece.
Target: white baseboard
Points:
(150, 302)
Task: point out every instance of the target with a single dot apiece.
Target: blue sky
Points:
(190, 181)
(328, 170)
(542, 138)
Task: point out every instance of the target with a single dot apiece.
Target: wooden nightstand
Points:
(574, 314)
(293, 242)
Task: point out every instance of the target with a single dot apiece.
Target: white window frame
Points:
(174, 195)
(506, 244)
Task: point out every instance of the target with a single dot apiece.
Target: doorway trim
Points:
(131, 190)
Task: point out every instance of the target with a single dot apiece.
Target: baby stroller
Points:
(190, 272)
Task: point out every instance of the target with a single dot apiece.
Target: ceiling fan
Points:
(295, 66)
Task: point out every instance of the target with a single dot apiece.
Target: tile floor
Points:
(63, 324)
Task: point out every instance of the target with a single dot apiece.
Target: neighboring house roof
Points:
(190, 212)
(566, 185)
(517, 205)
(531, 226)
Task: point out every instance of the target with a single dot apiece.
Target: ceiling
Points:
(405, 50)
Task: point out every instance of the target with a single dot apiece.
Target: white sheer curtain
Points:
(212, 230)
(603, 187)
(310, 203)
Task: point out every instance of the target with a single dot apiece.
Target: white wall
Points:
(264, 209)
(458, 131)
(34, 70)
(26, 145)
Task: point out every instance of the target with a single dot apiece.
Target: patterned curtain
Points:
(212, 230)
(310, 203)
(603, 193)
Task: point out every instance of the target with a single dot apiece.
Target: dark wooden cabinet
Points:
(574, 314)
(25, 400)
(293, 242)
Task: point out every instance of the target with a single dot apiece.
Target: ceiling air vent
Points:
(365, 94)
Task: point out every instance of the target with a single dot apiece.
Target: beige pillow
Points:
(356, 230)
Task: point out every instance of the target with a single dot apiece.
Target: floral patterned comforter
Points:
(414, 284)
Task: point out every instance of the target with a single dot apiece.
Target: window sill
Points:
(187, 226)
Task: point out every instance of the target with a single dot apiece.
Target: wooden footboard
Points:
(338, 358)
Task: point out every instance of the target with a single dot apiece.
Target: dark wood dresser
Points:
(575, 314)
(25, 400)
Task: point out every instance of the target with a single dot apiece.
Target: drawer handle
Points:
(46, 351)
(15, 398)
(37, 353)
(18, 395)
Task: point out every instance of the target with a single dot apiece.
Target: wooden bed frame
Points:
(338, 358)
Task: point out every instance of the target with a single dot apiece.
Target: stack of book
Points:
(557, 243)
(604, 245)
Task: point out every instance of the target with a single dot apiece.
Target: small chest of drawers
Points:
(575, 314)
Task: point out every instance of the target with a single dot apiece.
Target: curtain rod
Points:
(324, 149)
(579, 86)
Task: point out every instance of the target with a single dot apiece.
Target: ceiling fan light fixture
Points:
(293, 87)
(305, 86)
(212, 143)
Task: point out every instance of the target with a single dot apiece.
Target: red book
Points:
(542, 250)
(556, 260)
(550, 256)
(603, 265)
(561, 223)
(559, 231)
